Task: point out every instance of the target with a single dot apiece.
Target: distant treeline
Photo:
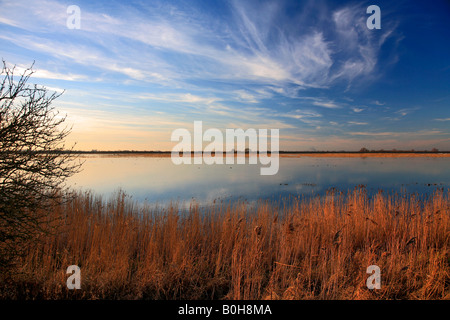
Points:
(233, 151)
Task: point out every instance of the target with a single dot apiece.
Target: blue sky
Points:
(137, 70)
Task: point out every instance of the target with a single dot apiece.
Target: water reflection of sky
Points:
(158, 180)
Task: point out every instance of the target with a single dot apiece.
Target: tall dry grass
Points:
(315, 248)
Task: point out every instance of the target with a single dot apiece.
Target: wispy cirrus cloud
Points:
(378, 103)
(357, 109)
(179, 97)
(358, 123)
(259, 51)
(400, 134)
(326, 104)
(46, 74)
(229, 63)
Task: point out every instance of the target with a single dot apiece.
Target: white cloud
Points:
(405, 111)
(357, 43)
(46, 74)
(400, 134)
(179, 97)
(358, 123)
(378, 103)
(326, 104)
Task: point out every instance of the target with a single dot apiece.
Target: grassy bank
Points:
(316, 249)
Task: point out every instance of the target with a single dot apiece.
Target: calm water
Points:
(158, 180)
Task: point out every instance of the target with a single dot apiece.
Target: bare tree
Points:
(33, 160)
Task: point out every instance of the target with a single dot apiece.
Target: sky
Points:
(135, 71)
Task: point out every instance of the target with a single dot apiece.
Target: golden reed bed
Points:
(315, 249)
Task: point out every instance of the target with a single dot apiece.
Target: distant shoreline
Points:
(283, 154)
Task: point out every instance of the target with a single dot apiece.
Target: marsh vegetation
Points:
(316, 248)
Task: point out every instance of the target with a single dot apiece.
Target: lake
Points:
(157, 180)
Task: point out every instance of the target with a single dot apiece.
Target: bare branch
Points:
(33, 166)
